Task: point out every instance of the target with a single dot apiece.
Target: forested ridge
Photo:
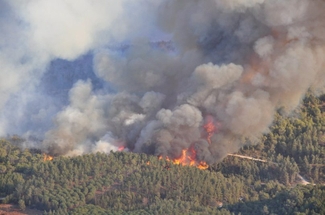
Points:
(130, 183)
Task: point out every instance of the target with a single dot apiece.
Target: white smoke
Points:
(237, 61)
(33, 33)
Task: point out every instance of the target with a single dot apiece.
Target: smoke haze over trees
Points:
(234, 63)
(137, 183)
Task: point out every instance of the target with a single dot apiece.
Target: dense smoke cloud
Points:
(234, 62)
(33, 33)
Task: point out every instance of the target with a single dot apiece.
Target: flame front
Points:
(187, 158)
(202, 165)
(47, 157)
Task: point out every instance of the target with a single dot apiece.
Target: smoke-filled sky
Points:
(86, 76)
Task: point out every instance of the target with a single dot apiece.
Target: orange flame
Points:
(187, 158)
(181, 159)
(202, 165)
(47, 157)
(210, 128)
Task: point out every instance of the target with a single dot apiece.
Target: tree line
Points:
(129, 183)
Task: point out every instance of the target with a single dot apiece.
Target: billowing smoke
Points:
(34, 33)
(232, 63)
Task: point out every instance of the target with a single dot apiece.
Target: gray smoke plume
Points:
(238, 61)
(34, 33)
(233, 62)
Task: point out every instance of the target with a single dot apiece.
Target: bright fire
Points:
(188, 158)
(47, 157)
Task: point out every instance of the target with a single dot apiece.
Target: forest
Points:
(284, 173)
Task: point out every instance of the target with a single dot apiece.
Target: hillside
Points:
(130, 183)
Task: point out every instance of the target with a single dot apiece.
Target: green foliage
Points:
(129, 183)
(21, 204)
